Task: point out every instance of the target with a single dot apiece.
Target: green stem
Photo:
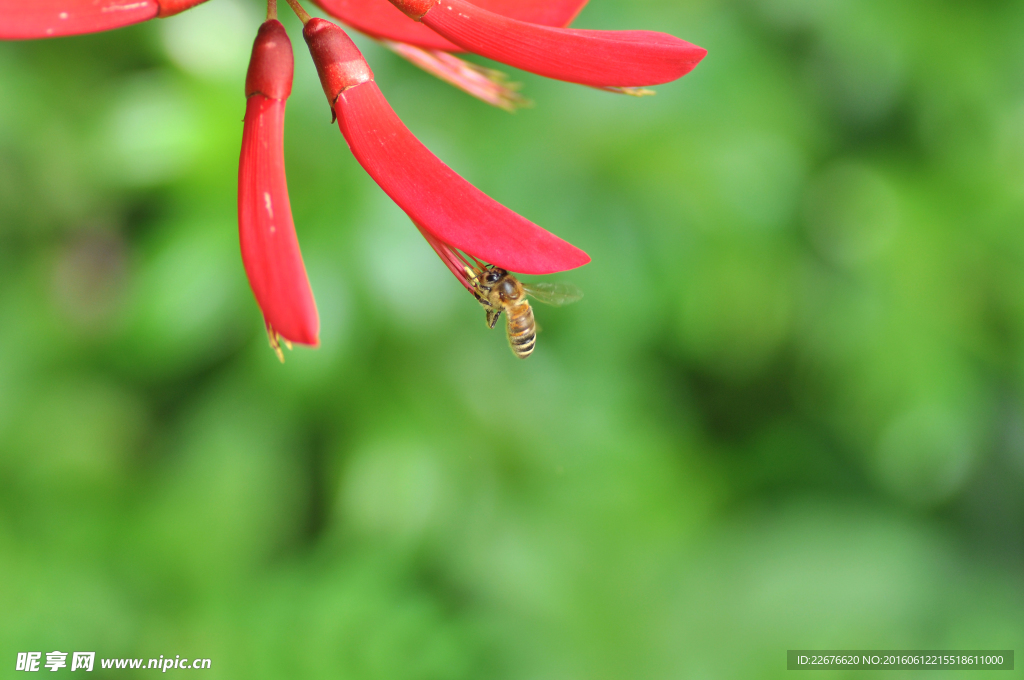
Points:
(299, 12)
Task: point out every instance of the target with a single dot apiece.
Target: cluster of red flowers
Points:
(456, 218)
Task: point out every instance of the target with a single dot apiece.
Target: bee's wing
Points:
(553, 293)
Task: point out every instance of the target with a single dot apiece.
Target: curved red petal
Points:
(438, 199)
(28, 19)
(270, 248)
(595, 58)
(379, 19)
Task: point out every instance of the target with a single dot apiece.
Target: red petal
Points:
(270, 248)
(378, 18)
(437, 199)
(595, 58)
(545, 12)
(27, 19)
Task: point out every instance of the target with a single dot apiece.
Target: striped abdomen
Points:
(521, 328)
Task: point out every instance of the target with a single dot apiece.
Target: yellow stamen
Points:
(632, 91)
(275, 343)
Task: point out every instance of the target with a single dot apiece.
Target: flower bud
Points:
(271, 64)
(339, 63)
(270, 248)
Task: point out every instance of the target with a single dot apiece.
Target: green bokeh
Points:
(789, 412)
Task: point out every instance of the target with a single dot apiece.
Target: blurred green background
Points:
(789, 412)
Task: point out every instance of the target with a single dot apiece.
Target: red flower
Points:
(433, 53)
(463, 225)
(438, 200)
(270, 249)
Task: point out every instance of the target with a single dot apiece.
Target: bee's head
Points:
(494, 274)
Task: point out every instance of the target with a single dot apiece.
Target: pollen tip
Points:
(274, 339)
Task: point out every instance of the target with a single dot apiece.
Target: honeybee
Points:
(498, 291)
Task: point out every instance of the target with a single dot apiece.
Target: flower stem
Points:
(299, 12)
(271, 9)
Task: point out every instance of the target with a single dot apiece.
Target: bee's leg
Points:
(481, 299)
(492, 317)
(474, 280)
